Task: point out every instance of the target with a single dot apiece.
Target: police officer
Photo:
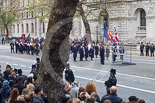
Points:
(75, 50)
(152, 50)
(69, 76)
(102, 54)
(147, 49)
(112, 81)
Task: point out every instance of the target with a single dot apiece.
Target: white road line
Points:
(119, 85)
(123, 74)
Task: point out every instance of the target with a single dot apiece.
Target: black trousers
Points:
(152, 53)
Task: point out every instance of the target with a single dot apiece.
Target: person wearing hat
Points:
(69, 76)
(5, 90)
(133, 99)
(102, 54)
(34, 72)
(20, 73)
(13, 77)
(112, 81)
(38, 63)
(37, 99)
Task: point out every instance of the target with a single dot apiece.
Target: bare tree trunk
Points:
(56, 48)
(7, 30)
(85, 21)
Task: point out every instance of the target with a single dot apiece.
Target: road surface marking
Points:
(119, 85)
(123, 74)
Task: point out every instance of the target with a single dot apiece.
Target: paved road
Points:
(136, 79)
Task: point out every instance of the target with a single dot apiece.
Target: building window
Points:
(22, 28)
(27, 28)
(43, 27)
(142, 18)
(17, 28)
(32, 28)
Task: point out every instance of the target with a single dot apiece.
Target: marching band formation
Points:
(29, 46)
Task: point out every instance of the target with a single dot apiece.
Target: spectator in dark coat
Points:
(113, 96)
(133, 99)
(37, 98)
(69, 76)
(64, 95)
(20, 86)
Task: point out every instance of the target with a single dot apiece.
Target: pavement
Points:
(138, 80)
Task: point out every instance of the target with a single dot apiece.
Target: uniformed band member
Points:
(96, 50)
(91, 52)
(112, 81)
(75, 50)
(147, 49)
(152, 50)
(81, 52)
(102, 54)
(12, 47)
(114, 55)
(86, 53)
(69, 76)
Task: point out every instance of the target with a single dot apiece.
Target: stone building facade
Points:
(133, 19)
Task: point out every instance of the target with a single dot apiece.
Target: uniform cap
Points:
(67, 65)
(113, 70)
(6, 82)
(33, 66)
(133, 98)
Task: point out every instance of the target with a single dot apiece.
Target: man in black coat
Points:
(69, 76)
(20, 86)
(91, 52)
(96, 50)
(141, 49)
(113, 96)
(112, 81)
(147, 49)
(86, 53)
(65, 94)
(81, 52)
(152, 50)
(102, 54)
(75, 50)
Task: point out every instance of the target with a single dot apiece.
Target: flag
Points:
(116, 36)
(108, 34)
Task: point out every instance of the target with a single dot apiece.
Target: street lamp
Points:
(97, 32)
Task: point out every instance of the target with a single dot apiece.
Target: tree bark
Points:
(85, 21)
(7, 30)
(55, 52)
